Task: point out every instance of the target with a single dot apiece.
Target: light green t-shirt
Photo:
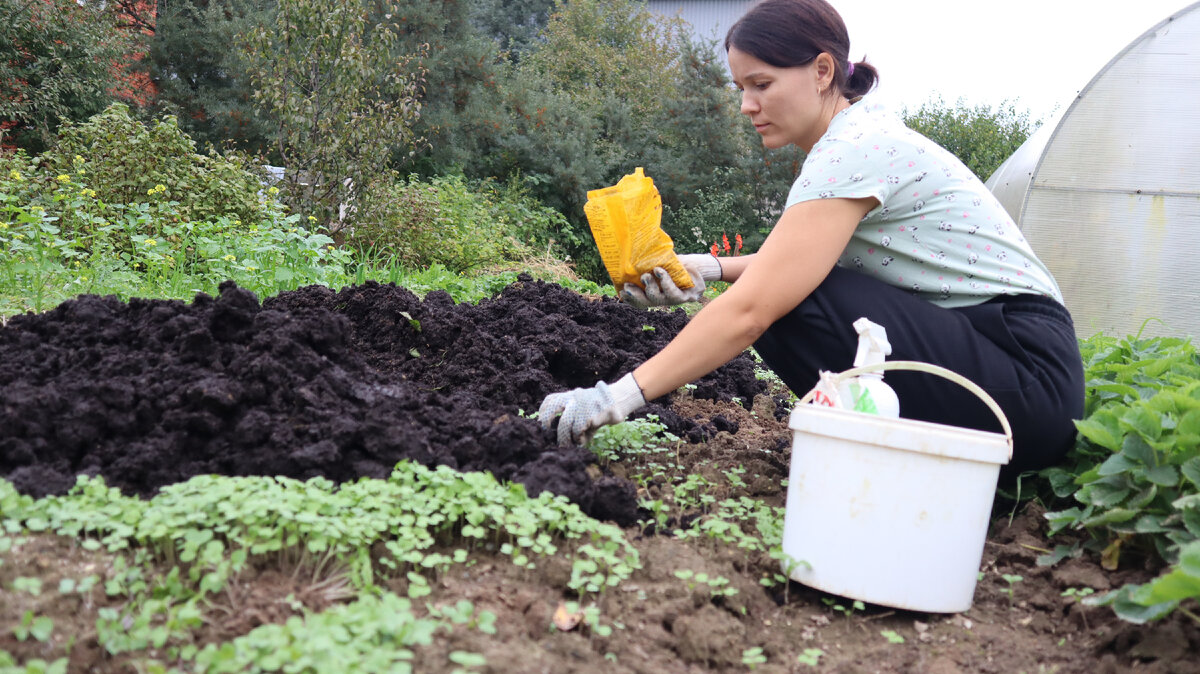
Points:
(937, 231)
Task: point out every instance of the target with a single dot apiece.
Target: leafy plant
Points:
(892, 636)
(122, 159)
(1171, 591)
(342, 95)
(1136, 465)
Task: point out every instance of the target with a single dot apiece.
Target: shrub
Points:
(980, 136)
(417, 223)
(123, 159)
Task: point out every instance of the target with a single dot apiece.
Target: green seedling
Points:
(892, 637)
(1012, 580)
(718, 586)
(810, 657)
(856, 605)
(1077, 592)
(40, 627)
(753, 657)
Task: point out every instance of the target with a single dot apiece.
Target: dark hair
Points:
(787, 33)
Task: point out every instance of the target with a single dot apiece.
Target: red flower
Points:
(738, 239)
(725, 240)
(716, 250)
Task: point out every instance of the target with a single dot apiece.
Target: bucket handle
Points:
(931, 369)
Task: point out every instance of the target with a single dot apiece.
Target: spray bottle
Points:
(867, 392)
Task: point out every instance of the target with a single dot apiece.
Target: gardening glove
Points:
(661, 290)
(586, 409)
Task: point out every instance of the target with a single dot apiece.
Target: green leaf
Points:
(1150, 524)
(1117, 463)
(1106, 492)
(1191, 470)
(1143, 421)
(1101, 430)
(1189, 558)
(1191, 520)
(1113, 516)
(1136, 448)
(1175, 586)
(1165, 475)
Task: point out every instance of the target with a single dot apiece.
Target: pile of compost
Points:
(314, 382)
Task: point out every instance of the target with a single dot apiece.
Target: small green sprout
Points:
(892, 637)
(810, 657)
(753, 657)
(1078, 592)
(1012, 580)
(856, 605)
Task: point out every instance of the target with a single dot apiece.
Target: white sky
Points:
(1036, 53)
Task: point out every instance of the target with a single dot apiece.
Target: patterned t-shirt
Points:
(937, 230)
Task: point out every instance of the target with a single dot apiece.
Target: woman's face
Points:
(784, 104)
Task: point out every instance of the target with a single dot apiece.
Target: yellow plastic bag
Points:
(625, 220)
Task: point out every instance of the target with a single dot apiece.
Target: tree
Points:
(597, 47)
(340, 98)
(515, 25)
(201, 78)
(59, 59)
(980, 136)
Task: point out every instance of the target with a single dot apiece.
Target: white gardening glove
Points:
(662, 291)
(586, 409)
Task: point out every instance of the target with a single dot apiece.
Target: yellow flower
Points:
(14, 174)
(64, 178)
(251, 267)
(78, 159)
(3, 226)
(312, 218)
(150, 192)
(160, 187)
(273, 190)
(230, 258)
(151, 242)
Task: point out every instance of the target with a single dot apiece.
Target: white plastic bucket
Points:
(891, 511)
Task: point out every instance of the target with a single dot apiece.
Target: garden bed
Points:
(344, 385)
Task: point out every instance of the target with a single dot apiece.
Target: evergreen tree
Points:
(515, 25)
(199, 69)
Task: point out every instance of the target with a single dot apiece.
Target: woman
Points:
(881, 223)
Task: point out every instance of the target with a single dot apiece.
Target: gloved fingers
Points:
(574, 409)
(654, 293)
(672, 293)
(635, 296)
(574, 422)
(552, 406)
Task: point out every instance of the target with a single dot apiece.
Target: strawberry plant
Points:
(1136, 478)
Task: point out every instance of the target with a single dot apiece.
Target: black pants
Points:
(1021, 349)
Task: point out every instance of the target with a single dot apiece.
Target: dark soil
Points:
(343, 384)
(312, 382)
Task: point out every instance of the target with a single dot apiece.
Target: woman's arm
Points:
(791, 263)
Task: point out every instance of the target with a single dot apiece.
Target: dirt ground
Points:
(344, 384)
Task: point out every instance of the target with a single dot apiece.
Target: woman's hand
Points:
(584, 410)
(661, 291)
